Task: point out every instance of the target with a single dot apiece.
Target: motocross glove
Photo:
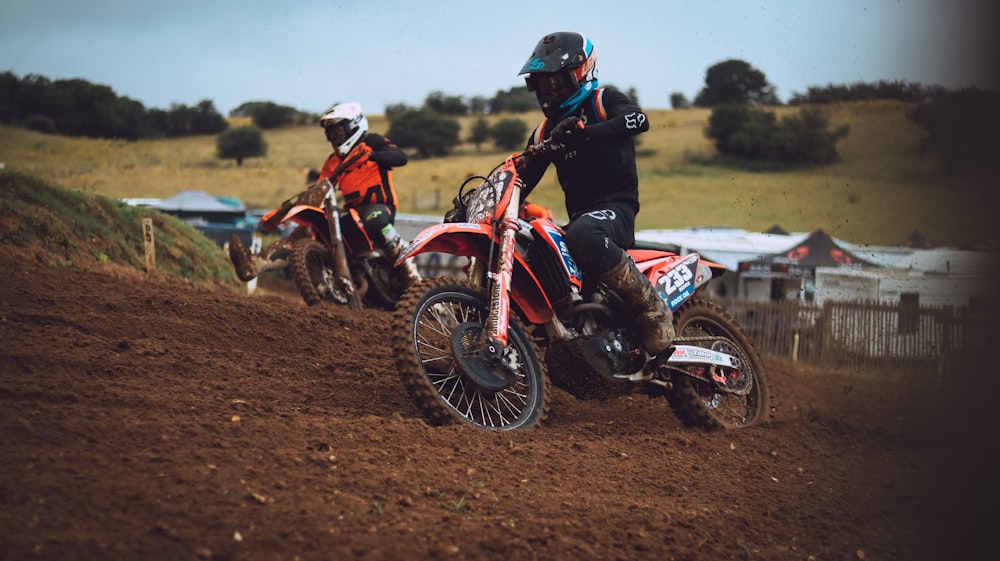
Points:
(569, 132)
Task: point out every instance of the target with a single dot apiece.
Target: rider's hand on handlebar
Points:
(569, 132)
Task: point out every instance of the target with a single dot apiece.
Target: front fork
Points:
(341, 271)
(499, 280)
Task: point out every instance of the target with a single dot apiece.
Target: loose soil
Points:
(144, 418)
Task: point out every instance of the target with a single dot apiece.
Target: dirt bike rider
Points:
(594, 154)
(360, 166)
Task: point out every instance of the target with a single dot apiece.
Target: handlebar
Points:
(461, 200)
(537, 148)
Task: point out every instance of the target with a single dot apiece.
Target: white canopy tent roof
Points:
(729, 246)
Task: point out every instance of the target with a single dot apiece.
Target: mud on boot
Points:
(406, 271)
(652, 316)
(242, 260)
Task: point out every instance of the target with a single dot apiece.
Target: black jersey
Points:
(602, 168)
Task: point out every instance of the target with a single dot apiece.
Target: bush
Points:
(513, 100)
(241, 142)
(431, 133)
(743, 132)
(39, 123)
(509, 134)
(480, 132)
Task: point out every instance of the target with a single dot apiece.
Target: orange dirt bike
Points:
(471, 350)
(329, 255)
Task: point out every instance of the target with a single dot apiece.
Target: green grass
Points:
(879, 191)
(70, 228)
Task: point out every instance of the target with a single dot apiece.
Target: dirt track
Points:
(145, 419)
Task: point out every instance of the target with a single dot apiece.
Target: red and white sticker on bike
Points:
(676, 284)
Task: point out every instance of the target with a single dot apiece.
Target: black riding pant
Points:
(598, 236)
(376, 219)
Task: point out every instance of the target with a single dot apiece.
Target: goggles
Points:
(558, 84)
(336, 131)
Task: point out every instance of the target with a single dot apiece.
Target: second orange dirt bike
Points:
(471, 350)
(329, 256)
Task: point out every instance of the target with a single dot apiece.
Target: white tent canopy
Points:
(198, 201)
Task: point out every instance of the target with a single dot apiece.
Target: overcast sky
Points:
(313, 53)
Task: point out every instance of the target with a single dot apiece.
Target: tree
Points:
(679, 101)
(241, 142)
(480, 132)
(431, 133)
(206, 120)
(962, 128)
(755, 135)
(863, 91)
(269, 115)
(508, 134)
(178, 120)
(633, 94)
(735, 81)
(394, 109)
(514, 100)
(9, 84)
(445, 104)
(478, 105)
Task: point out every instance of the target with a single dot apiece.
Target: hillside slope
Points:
(883, 187)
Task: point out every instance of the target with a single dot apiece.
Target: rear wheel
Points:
(433, 318)
(701, 403)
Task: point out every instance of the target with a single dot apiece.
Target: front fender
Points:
(312, 217)
(465, 239)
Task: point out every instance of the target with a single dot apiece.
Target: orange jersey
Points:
(362, 182)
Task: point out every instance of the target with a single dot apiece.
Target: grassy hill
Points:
(47, 223)
(880, 191)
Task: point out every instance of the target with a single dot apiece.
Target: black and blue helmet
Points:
(562, 72)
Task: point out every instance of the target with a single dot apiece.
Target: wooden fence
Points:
(865, 334)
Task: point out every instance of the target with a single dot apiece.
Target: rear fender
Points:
(466, 239)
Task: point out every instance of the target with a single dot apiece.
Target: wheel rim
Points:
(435, 325)
(733, 410)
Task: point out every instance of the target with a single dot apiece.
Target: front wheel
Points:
(312, 269)
(432, 318)
(701, 403)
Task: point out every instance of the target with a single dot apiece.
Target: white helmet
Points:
(345, 125)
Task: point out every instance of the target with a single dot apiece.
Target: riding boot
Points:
(248, 265)
(242, 259)
(394, 246)
(653, 317)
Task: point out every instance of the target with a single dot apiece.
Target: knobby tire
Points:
(700, 404)
(436, 385)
